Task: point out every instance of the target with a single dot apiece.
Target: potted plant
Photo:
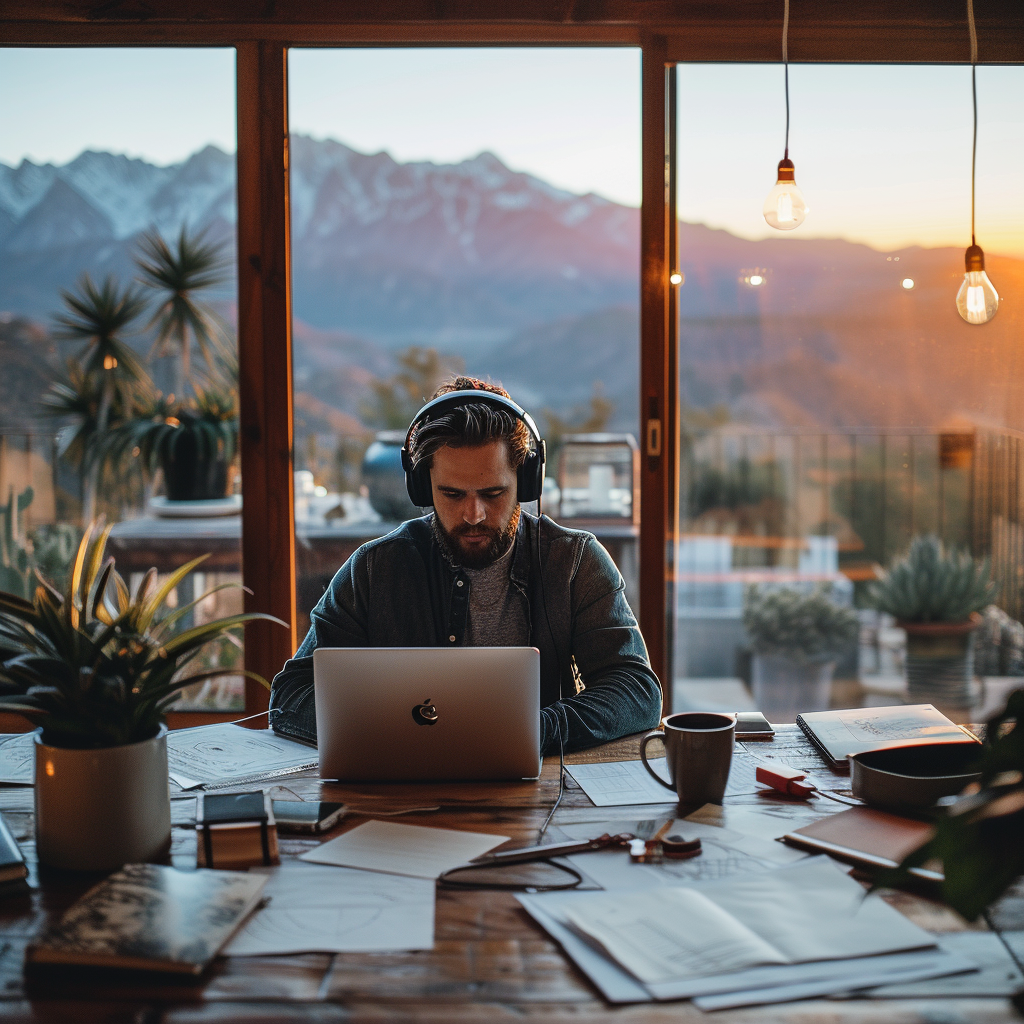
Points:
(192, 441)
(797, 637)
(95, 668)
(936, 596)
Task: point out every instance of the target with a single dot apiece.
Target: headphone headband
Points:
(437, 407)
(529, 476)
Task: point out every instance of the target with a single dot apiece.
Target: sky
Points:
(882, 153)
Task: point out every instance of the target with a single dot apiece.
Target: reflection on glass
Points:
(118, 396)
(834, 405)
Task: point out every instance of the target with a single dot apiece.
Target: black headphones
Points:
(529, 476)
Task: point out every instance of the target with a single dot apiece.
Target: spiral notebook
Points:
(840, 734)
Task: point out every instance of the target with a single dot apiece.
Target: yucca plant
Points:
(97, 665)
(177, 273)
(930, 584)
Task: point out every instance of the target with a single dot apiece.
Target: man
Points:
(480, 572)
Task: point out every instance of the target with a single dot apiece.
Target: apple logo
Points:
(425, 713)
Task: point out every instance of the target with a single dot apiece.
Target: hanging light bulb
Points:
(977, 300)
(785, 209)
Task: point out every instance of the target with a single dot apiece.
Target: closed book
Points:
(235, 830)
(12, 861)
(152, 917)
(839, 734)
(867, 838)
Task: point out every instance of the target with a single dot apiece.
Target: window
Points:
(834, 404)
(461, 211)
(109, 159)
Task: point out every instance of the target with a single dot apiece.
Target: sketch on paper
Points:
(219, 754)
(319, 909)
(17, 758)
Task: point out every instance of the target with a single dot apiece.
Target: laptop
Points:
(403, 714)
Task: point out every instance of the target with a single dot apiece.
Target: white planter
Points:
(99, 809)
(784, 687)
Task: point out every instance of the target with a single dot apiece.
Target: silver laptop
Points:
(390, 714)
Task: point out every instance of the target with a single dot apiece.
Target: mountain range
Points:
(538, 287)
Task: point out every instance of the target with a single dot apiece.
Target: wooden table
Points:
(490, 962)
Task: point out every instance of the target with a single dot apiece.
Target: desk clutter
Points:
(746, 903)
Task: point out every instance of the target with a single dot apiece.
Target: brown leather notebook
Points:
(866, 838)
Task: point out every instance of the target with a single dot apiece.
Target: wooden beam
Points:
(265, 360)
(658, 388)
(913, 31)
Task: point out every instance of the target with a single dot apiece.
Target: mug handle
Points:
(656, 734)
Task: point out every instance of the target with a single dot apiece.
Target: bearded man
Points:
(479, 571)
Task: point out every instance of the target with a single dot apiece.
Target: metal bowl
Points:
(913, 778)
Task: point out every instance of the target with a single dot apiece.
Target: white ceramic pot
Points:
(784, 687)
(99, 809)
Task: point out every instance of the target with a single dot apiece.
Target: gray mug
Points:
(698, 751)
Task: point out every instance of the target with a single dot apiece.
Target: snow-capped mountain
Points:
(395, 251)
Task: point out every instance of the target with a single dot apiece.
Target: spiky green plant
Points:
(177, 274)
(101, 316)
(930, 584)
(98, 666)
(211, 419)
(808, 627)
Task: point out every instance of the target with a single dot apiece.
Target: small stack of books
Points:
(235, 830)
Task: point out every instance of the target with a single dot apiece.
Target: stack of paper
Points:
(801, 930)
(228, 754)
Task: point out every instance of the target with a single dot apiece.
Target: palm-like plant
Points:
(98, 666)
(177, 274)
(101, 316)
(75, 398)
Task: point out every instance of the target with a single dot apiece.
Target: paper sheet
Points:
(813, 910)
(216, 755)
(318, 909)
(622, 783)
(846, 976)
(775, 983)
(669, 934)
(413, 850)
(724, 854)
(17, 758)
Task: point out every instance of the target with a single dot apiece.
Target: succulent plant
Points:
(99, 669)
(930, 584)
(803, 626)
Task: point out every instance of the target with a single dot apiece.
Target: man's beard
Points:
(480, 558)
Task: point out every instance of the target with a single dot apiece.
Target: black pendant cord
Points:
(974, 98)
(974, 144)
(785, 65)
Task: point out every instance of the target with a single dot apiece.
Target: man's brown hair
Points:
(471, 425)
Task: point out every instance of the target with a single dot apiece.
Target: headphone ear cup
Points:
(530, 478)
(417, 482)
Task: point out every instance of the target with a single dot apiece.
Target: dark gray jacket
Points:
(401, 591)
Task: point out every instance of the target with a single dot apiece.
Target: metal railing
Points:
(873, 490)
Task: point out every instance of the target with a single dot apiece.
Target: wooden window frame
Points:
(666, 31)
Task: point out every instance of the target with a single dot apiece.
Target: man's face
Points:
(475, 501)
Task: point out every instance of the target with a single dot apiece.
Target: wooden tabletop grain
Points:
(490, 962)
